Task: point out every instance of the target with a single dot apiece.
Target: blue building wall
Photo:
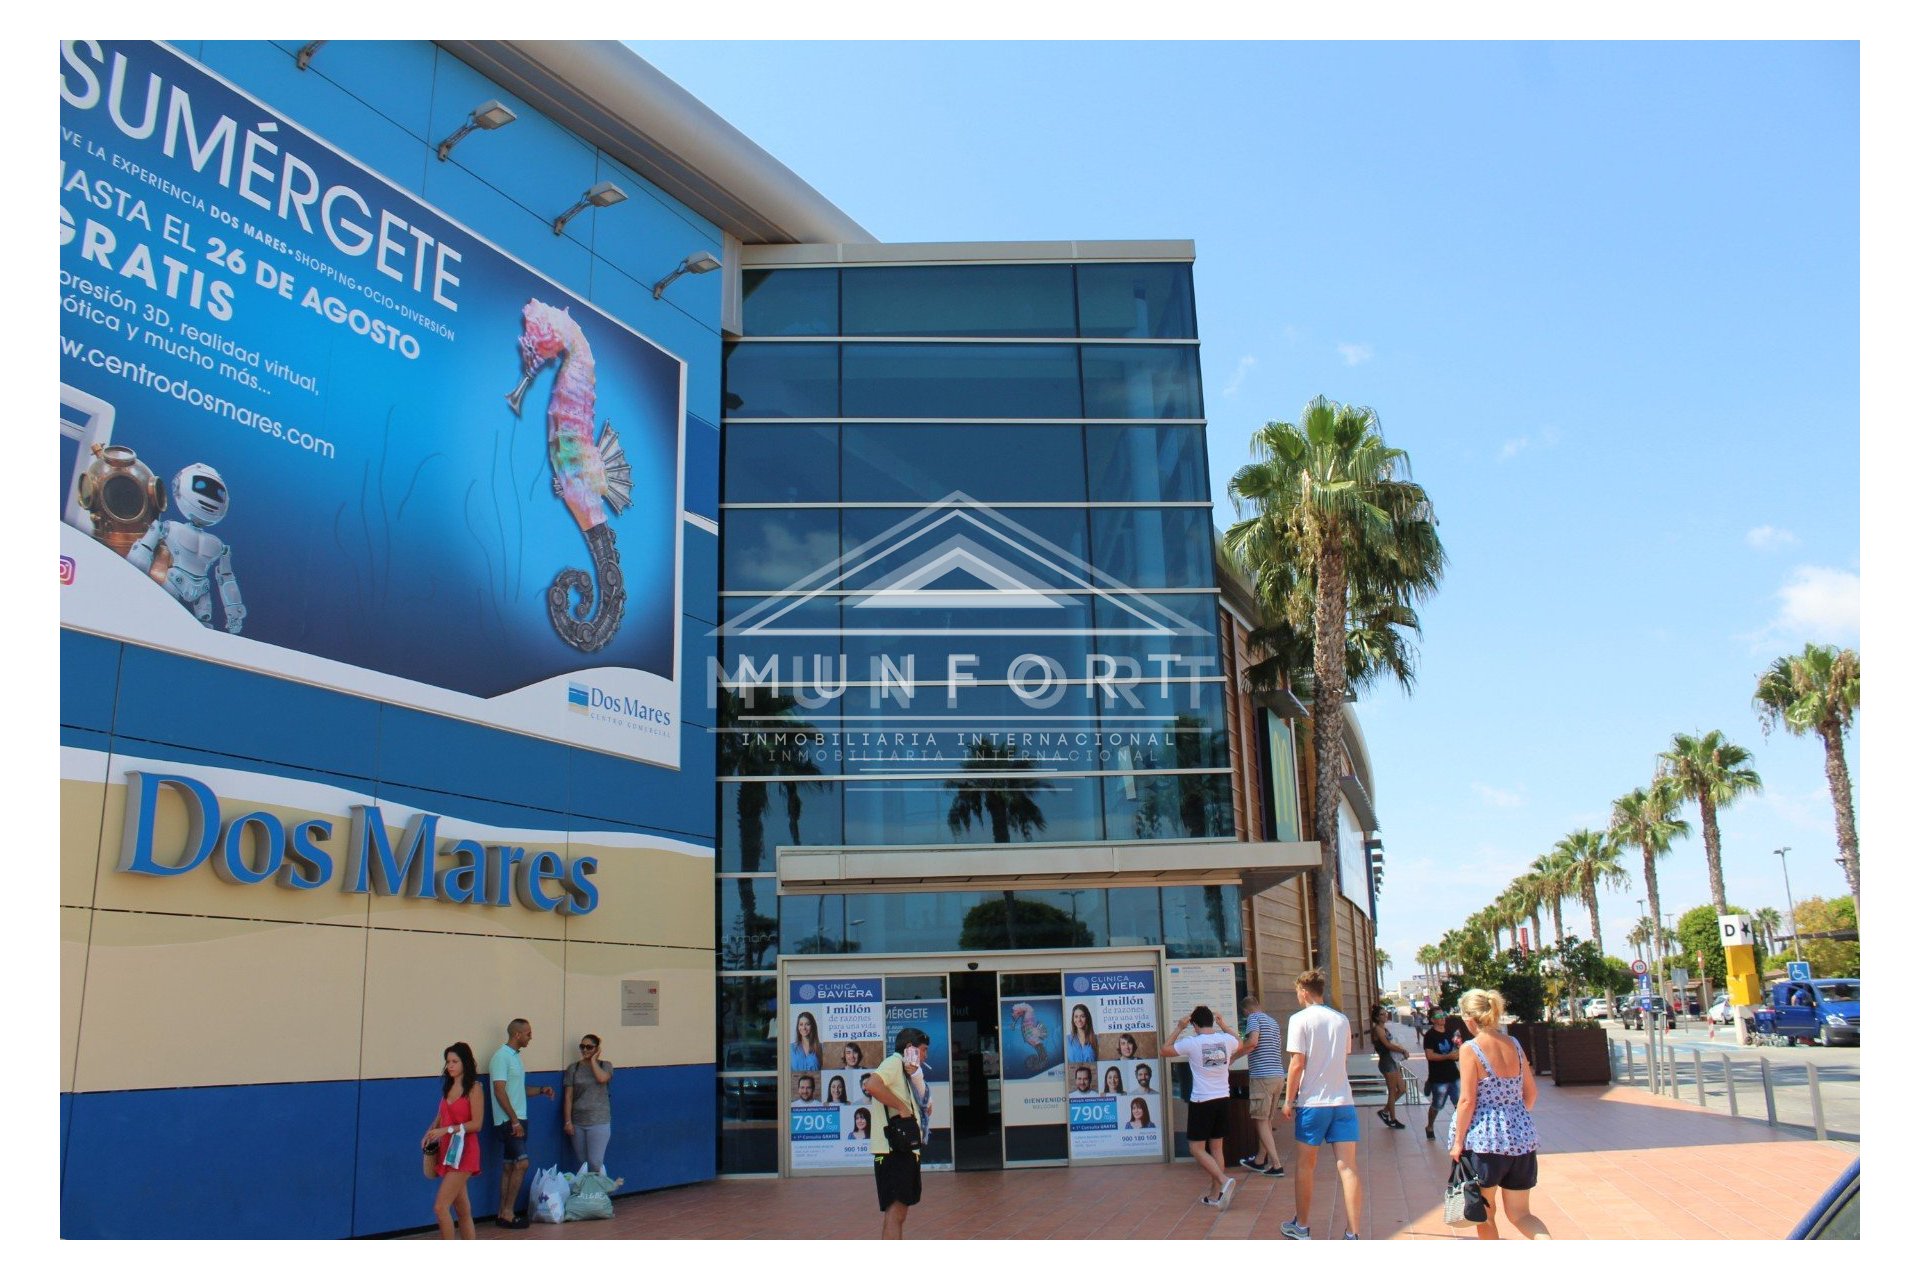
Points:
(208, 1162)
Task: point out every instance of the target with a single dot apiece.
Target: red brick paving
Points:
(1617, 1163)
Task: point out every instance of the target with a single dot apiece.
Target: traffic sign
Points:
(1639, 968)
(1799, 971)
(1646, 984)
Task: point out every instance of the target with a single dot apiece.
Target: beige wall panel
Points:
(654, 896)
(83, 800)
(201, 892)
(687, 1014)
(427, 990)
(74, 923)
(173, 1001)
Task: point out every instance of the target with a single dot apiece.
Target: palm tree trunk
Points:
(1710, 832)
(1593, 916)
(1657, 947)
(1329, 699)
(1558, 935)
(1842, 788)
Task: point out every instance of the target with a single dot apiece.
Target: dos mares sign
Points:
(257, 846)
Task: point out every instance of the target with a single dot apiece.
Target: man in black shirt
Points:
(1443, 1068)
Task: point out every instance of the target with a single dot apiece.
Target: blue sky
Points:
(1606, 295)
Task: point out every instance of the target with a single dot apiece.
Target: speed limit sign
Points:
(1639, 967)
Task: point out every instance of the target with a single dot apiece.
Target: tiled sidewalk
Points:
(1617, 1164)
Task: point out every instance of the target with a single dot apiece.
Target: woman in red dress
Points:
(462, 1110)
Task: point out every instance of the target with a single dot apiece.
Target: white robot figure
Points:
(197, 556)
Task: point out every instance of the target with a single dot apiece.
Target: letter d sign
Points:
(136, 842)
(1736, 931)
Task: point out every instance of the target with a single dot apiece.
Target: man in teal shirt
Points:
(509, 1078)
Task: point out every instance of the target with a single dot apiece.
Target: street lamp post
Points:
(1792, 919)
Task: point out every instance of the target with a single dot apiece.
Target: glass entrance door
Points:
(974, 1014)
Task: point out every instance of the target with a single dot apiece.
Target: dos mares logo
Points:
(598, 704)
(257, 846)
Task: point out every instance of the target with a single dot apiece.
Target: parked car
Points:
(1635, 1018)
(1721, 1010)
(1596, 1008)
(1825, 1009)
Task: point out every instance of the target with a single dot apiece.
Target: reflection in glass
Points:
(798, 463)
(749, 1124)
(986, 301)
(746, 935)
(1149, 547)
(983, 380)
(1170, 726)
(747, 1024)
(1146, 464)
(813, 924)
(1136, 300)
(1138, 625)
(782, 380)
(773, 550)
(1142, 382)
(989, 463)
(790, 303)
(808, 814)
(1202, 920)
(1181, 806)
(1134, 917)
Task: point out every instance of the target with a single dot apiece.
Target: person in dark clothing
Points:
(1442, 1046)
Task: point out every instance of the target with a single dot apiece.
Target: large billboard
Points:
(313, 427)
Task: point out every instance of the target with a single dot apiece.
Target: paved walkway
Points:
(1617, 1163)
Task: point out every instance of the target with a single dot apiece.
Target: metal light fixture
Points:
(599, 195)
(490, 114)
(305, 56)
(694, 264)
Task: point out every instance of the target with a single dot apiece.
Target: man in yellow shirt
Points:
(900, 1087)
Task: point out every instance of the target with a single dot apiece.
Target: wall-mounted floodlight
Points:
(599, 195)
(488, 115)
(694, 264)
(305, 56)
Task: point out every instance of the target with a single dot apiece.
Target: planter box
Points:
(1580, 1055)
(1537, 1039)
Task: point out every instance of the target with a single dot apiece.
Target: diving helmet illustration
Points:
(121, 495)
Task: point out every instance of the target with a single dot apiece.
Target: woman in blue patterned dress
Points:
(1492, 1127)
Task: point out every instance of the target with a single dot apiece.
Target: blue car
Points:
(1826, 1010)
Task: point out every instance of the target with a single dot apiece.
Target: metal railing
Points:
(1657, 1072)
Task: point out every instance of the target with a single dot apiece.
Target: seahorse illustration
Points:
(584, 473)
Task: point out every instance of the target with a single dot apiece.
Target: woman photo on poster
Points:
(1080, 1041)
(837, 1090)
(1113, 1083)
(862, 1123)
(1141, 1117)
(806, 1044)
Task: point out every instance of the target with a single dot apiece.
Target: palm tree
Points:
(1004, 805)
(1514, 903)
(1644, 818)
(1640, 937)
(1428, 958)
(1592, 860)
(1551, 872)
(761, 748)
(1768, 918)
(1817, 692)
(1714, 772)
(1329, 518)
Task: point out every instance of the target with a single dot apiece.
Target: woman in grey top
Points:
(585, 1108)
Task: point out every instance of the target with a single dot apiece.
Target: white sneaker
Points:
(1212, 1202)
(1226, 1193)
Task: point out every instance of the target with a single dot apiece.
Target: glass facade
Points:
(968, 585)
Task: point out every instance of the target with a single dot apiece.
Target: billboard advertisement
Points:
(838, 1038)
(311, 426)
(1114, 1109)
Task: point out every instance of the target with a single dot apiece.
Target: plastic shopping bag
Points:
(549, 1196)
(592, 1196)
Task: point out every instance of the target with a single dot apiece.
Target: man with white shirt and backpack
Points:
(1209, 1052)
